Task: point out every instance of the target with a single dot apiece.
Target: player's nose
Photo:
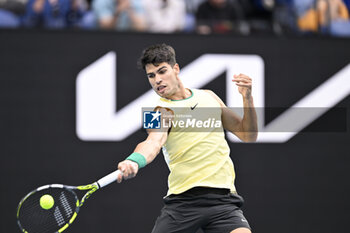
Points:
(158, 79)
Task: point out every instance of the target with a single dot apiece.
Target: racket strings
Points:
(34, 219)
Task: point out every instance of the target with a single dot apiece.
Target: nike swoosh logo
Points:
(194, 106)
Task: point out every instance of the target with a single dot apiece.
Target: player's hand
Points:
(129, 169)
(244, 84)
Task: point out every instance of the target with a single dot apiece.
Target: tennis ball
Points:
(46, 201)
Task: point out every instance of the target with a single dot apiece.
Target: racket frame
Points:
(91, 187)
(104, 181)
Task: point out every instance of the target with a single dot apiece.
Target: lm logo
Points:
(98, 120)
(151, 120)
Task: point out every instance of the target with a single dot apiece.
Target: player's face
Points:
(164, 79)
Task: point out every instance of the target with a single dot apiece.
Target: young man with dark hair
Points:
(201, 191)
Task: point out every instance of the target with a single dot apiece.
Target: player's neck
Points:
(183, 93)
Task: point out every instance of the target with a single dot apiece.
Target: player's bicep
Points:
(230, 120)
(150, 147)
(156, 138)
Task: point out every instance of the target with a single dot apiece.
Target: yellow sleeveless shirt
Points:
(197, 157)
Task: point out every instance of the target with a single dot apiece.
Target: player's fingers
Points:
(120, 178)
(127, 169)
(131, 170)
(243, 85)
(241, 77)
(121, 167)
(134, 169)
(126, 172)
(241, 80)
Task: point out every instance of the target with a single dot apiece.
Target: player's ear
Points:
(176, 68)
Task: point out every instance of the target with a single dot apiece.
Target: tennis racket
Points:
(63, 205)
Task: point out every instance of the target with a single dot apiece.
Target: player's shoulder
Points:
(162, 102)
(215, 96)
(210, 92)
(207, 91)
(196, 91)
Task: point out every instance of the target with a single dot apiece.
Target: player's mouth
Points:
(161, 89)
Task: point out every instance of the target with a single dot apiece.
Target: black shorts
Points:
(212, 210)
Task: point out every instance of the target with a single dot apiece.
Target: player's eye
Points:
(162, 71)
(150, 75)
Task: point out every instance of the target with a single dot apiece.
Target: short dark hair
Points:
(156, 54)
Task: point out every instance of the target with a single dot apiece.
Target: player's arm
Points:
(146, 151)
(245, 128)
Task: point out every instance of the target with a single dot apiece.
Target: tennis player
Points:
(201, 193)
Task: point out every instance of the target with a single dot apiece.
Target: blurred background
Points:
(279, 17)
(296, 184)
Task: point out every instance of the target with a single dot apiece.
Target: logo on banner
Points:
(97, 117)
(151, 119)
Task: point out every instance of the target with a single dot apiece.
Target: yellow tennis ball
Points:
(46, 201)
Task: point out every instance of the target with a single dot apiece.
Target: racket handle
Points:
(110, 178)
